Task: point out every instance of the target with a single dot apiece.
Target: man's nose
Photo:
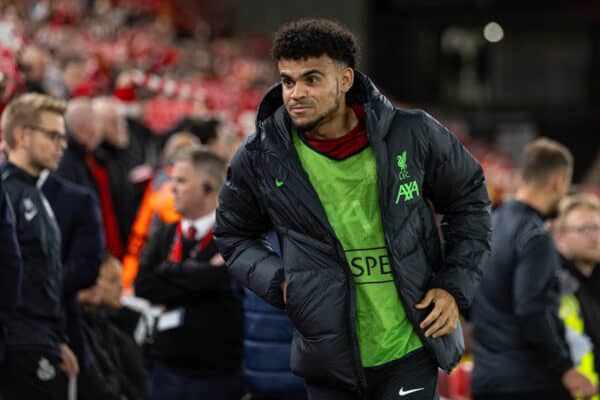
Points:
(298, 91)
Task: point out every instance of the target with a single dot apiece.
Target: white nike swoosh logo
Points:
(30, 214)
(403, 392)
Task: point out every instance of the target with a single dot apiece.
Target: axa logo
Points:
(407, 190)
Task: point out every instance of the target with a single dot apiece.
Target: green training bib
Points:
(348, 191)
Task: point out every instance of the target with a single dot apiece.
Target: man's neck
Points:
(586, 268)
(535, 198)
(193, 217)
(342, 123)
(22, 162)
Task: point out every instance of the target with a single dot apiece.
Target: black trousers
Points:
(413, 377)
(32, 375)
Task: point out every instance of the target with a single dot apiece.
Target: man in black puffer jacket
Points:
(346, 179)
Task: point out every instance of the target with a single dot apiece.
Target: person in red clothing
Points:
(197, 349)
(80, 165)
(157, 205)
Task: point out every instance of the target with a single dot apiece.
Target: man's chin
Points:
(305, 126)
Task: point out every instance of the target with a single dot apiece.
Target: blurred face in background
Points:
(195, 192)
(109, 283)
(43, 143)
(557, 186)
(107, 289)
(82, 123)
(33, 63)
(110, 123)
(580, 235)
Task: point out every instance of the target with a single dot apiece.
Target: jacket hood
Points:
(363, 91)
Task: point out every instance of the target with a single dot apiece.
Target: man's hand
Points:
(578, 385)
(443, 319)
(217, 260)
(69, 362)
(284, 290)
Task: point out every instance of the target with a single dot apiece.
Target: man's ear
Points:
(347, 79)
(18, 135)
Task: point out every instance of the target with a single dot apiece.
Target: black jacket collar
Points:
(9, 168)
(75, 146)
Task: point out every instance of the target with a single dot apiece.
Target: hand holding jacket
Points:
(443, 318)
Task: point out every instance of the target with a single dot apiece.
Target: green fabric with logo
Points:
(348, 191)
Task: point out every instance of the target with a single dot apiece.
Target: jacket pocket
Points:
(324, 359)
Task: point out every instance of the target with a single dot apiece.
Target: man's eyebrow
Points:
(283, 75)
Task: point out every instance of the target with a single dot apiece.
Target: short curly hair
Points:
(313, 38)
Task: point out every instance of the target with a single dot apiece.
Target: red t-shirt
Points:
(344, 146)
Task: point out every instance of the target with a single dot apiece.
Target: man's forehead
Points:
(300, 66)
(582, 214)
(52, 120)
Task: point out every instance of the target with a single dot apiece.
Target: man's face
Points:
(581, 234)
(560, 182)
(313, 89)
(195, 192)
(114, 128)
(109, 284)
(45, 141)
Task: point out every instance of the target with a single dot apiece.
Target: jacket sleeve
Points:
(455, 184)
(10, 257)
(86, 250)
(240, 231)
(535, 275)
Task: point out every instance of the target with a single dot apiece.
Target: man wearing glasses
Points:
(577, 235)
(197, 348)
(38, 361)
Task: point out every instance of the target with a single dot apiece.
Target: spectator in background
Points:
(197, 350)
(38, 360)
(116, 155)
(80, 166)
(78, 216)
(519, 340)
(116, 370)
(156, 205)
(10, 266)
(32, 62)
(577, 235)
(83, 139)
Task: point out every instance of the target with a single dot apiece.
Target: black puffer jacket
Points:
(320, 298)
(38, 322)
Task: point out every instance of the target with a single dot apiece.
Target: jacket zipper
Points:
(357, 365)
(381, 161)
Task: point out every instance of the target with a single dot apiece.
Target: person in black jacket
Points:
(116, 367)
(38, 360)
(119, 158)
(10, 266)
(346, 180)
(77, 212)
(577, 234)
(519, 341)
(197, 348)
